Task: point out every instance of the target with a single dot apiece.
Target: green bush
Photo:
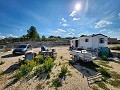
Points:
(2, 62)
(105, 58)
(25, 69)
(48, 76)
(38, 69)
(48, 65)
(18, 75)
(56, 83)
(102, 85)
(64, 70)
(115, 83)
(104, 73)
(39, 59)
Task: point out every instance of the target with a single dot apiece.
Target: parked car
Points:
(22, 49)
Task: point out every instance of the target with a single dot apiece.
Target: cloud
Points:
(110, 32)
(103, 30)
(59, 31)
(64, 20)
(73, 14)
(70, 30)
(10, 35)
(102, 23)
(64, 24)
(86, 6)
(70, 34)
(2, 37)
(119, 14)
(75, 19)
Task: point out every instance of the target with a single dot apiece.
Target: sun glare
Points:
(78, 6)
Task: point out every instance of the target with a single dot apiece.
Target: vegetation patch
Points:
(62, 75)
(102, 85)
(95, 88)
(115, 75)
(115, 83)
(63, 71)
(39, 59)
(41, 64)
(56, 83)
(104, 72)
(103, 63)
(2, 62)
(25, 69)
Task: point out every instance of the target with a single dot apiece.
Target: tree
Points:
(32, 33)
(43, 38)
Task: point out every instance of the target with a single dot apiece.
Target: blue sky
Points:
(60, 17)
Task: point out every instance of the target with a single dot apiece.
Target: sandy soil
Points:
(74, 82)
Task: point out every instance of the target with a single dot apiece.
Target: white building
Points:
(92, 41)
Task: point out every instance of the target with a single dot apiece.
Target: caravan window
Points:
(101, 40)
(86, 40)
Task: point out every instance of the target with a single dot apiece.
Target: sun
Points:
(77, 6)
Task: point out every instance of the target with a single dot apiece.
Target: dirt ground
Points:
(77, 81)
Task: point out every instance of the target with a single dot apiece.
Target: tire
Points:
(76, 57)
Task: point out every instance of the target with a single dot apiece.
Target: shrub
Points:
(18, 75)
(64, 70)
(104, 73)
(115, 75)
(55, 56)
(102, 85)
(48, 65)
(105, 58)
(39, 59)
(115, 83)
(25, 69)
(2, 62)
(56, 83)
(38, 69)
(95, 88)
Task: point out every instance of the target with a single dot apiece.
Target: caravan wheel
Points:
(76, 57)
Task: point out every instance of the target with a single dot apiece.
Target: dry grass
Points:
(102, 85)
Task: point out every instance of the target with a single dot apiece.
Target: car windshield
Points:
(22, 46)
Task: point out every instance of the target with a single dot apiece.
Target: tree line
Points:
(33, 35)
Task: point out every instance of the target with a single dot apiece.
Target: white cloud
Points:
(59, 31)
(2, 37)
(75, 19)
(102, 23)
(103, 30)
(70, 30)
(110, 32)
(86, 6)
(64, 20)
(10, 35)
(70, 34)
(119, 14)
(73, 14)
(64, 24)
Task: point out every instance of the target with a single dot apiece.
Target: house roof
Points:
(93, 35)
